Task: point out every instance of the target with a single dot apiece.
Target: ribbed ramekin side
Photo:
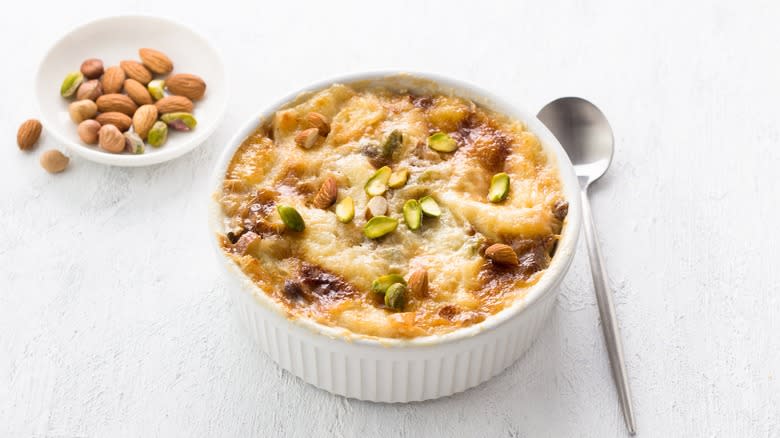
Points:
(389, 374)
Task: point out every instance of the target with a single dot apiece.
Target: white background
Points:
(114, 321)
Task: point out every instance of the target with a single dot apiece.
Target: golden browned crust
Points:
(325, 272)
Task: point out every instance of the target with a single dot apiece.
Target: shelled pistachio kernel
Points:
(71, 83)
(158, 134)
(499, 187)
(345, 210)
(291, 218)
(377, 184)
(378, 226)
(156, 88)
(383, 282)
(180, 121)
(398, 179)
(412, 214)
(429, 206)
(392, 143)
(133, 143)
(395, 297)
(442, 142)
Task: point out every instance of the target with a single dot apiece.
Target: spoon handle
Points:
(607, 314)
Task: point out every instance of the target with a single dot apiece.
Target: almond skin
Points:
(137, 92)
(307, 138)
(156, 61)
(187, 85)
(418, 283)
(327, 194)
(174, 104)
(136, 70)
(92, 68)
(143, 119)
(502, 254)
(28, 134)
(116, 103)
(112, 80)
(121, 121)
(317, 120)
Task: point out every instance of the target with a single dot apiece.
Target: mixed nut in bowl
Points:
(117, 90)
(394, 237)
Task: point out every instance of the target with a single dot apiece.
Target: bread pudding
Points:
(391, 214)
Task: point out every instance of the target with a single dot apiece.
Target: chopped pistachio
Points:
(395, 297)
(155, 88)
(291, 218)
(345, 210)
(393, 142)
(377, 184)
(412, 214)
(442, 142)
(429, 206)
(499, 187)
(378, 226)
(398, 179)
(381, 284)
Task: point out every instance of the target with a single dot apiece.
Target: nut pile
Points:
(122, 108)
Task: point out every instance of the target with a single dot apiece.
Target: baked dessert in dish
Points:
(391, 214)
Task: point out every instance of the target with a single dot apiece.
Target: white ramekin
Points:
(397, 370)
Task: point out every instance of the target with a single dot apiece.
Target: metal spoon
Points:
(585, 134)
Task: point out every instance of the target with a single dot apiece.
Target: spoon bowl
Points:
(585, 134)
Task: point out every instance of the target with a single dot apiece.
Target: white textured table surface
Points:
(114, 321)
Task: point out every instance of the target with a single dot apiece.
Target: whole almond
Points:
(418, 283)
(112, 80)
(110, 139)
(307, 138)
(81, 110)
(317, 120)
(156, 61)
(143, 119)
(88, 131)
(502, 254)
(136, 70)
(121, 121)
(116, 103)
(174, 104)
(92, 68)
(137, 92)
(327, 194)
(53, 161)
(89, 90)
(187, 85)
(28, 134)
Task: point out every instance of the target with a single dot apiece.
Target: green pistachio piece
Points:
(291, 218)
(179, 121)
(412, 214)
(155, 88)
(398, 179)
(158, 134)
(429, 206)
(345, 210)
(381, 284)
(377, 184)
(499, 187)
(442, 142)
(133, 143)
(71, 84)
(393, 142)
(395, 297)
(378, 226)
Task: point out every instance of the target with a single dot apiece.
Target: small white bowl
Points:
(400, 370)
(115, 39)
